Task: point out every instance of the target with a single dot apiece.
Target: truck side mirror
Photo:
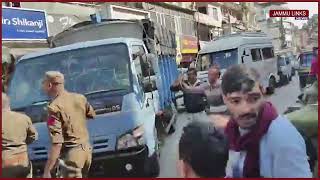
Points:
(151, 57)
(149, 85)
(151, 60)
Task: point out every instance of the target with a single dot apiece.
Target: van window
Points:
(203, 63)
(267, 53)
(256, 55)
(224, 59)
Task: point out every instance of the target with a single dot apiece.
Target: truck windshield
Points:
(224, 59)
(86, 70)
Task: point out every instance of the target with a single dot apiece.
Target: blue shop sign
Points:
(23, 24)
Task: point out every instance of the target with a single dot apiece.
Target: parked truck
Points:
(124, 68)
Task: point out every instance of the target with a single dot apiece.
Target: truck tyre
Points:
(302, 82)
(290, 77)
(272, 86)
(286, 80)
(152, 166)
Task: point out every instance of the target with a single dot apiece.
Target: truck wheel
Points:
(293, 72)
(272, 86)
(302, 82)
(152, 166)
(157, 145)
(286, 79)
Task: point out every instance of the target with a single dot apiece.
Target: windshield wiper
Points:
(102, 91)
(40, 102)
(36, 103)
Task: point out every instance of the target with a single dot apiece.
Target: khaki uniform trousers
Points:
(78, 159)
(17, 166)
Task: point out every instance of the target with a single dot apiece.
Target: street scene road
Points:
(282, 98)
(102, 89)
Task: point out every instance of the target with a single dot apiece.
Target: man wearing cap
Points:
(67, 115)
(17, 132)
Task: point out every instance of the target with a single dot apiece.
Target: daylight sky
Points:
(311, 6)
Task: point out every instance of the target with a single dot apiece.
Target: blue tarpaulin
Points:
(169, 73)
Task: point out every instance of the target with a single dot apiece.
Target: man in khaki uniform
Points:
(67, 115)
(17, 132)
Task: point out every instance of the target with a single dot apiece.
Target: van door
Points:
(147, 111)
(262, 59)
(270, 63)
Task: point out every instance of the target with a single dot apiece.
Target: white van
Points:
(250, 48)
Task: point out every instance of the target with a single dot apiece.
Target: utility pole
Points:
(282, 34)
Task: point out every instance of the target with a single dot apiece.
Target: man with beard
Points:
(193, 95)
(262, 143)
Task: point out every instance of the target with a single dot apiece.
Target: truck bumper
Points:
(126, 163)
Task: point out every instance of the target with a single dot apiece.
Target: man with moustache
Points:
(262, 143)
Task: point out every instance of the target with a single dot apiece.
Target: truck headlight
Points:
(131, 139)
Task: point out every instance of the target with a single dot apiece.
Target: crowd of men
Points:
(254, 141)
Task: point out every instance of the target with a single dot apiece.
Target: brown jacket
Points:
(67, 115)
(17, 132)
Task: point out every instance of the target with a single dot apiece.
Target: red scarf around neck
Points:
(250, 142)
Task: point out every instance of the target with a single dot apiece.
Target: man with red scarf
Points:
(262, 143)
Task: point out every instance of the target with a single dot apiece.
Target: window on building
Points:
(11, 4)
(215, 13)
(153, 16)
(169, 22)
(256, 55)
(188, 26)
(267, 53)
(202, 10)
(177, 25)
(16, 4)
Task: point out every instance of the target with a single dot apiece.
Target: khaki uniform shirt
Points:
(67, 115)
(17, 132)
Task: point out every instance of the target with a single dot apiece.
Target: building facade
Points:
(273, 27)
